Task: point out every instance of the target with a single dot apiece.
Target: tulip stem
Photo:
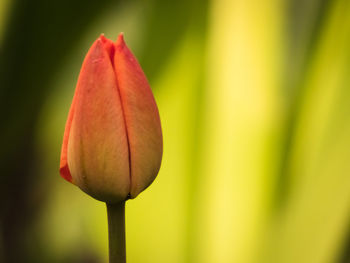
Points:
(116, 232)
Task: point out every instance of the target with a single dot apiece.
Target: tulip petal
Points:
(141, 117)
(64, 169)
(98, 154)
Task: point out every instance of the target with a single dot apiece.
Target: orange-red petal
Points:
(141, 117)
(64, 169)
(97, 148)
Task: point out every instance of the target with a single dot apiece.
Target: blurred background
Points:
(254, 98)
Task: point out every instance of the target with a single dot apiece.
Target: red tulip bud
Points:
(112, 145)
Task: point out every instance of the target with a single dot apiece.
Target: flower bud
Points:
(112, 145)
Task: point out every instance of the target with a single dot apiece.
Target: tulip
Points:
(112, 145)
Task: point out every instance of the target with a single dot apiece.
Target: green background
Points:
(254, 98)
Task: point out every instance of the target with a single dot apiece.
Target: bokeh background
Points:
(254, 98)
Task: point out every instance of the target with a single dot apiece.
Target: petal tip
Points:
(120, 39)
(102, 38)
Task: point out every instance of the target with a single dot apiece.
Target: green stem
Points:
(116, 232)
